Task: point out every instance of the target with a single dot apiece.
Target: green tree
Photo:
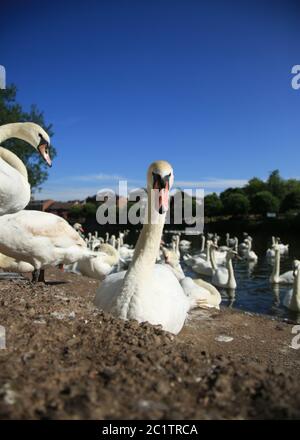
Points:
(291, 202)
(276, 185)
(254, 186)
(230, 191)
(11, 111)
(212, 205)
(264, 202)
(236, 204)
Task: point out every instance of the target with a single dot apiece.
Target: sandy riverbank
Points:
(66, 359)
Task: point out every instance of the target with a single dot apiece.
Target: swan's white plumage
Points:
(41, 239)
(151, 304)
(147, 291)
(14, 186)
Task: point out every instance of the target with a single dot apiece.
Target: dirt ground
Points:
(64, 359)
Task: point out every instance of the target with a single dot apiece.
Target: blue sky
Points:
(205, 85)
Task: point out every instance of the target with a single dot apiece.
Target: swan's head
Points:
(37, 137)
(160, 178)
(78, 227)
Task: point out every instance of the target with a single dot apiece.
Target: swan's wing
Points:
(14, 190)
(38, 224)
(109, 290)
(287, 277)
(165, 302)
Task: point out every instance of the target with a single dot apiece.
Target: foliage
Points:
(264, 202)
(213, 206)
(236, 204)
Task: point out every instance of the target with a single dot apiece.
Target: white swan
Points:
(223, 276)
(292, 298)
(203, 266)
(41, 239)
(276, 278)
(148, 291)
(249, 254)
(184, 244)
(98, 267)
(14, 186)
(207, 295)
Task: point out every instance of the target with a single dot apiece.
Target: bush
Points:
(236, 204)
(264, 202)
(213, 206)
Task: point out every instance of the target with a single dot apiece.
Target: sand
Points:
(65, 359)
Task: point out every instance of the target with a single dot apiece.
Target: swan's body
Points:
(204, 293)
(223, 276)
(41, 239)
(292, 298)
(148, 291)
(98, 267)
(276, 278)
(14, 186)
(249, 254)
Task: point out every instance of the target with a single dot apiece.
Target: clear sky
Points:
(204, 85)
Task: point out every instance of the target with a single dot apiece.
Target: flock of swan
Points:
(154, 287)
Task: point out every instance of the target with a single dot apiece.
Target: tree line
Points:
(275, 195)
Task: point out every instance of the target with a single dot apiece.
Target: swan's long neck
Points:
(211, 252)
(13, 160)
(295, 302)
(231, 277)
(145, 254)
(276, 268)
(203, 243)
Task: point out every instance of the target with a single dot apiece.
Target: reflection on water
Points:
(254, 293)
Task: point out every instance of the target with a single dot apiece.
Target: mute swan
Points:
(41, 239)
(207, 295)
(283, 248)
(14, 186)
(98, 267)
(249, 254)
(223, 276)
(184, 244)
(276, 278)
(201, 266)
(292, 298)
(78, 228)
(148, 291)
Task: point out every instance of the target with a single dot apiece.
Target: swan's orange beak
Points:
(44, 152)
(161, 184)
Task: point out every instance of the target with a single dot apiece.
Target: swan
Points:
(78, 228)
(283, 248)
(249, 254)
(98, 267)
(276, 278)
(292, 298)
(203, 266)
(125, 253)
(148, 291)
(14, 186)
(207, 295)
(41, 239)
(184, 244)
(223, 276)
